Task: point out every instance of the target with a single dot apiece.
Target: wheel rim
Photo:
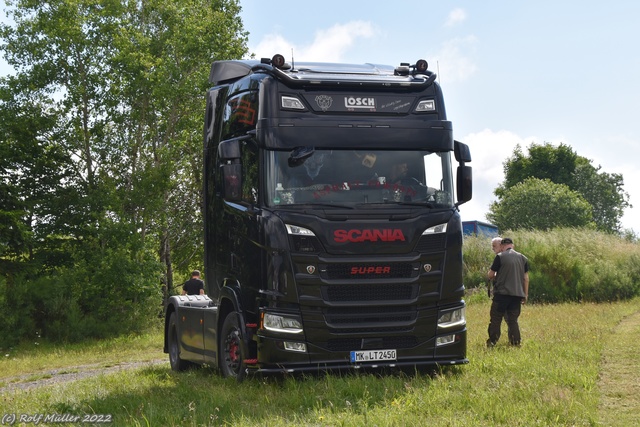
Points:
(173, 346)
(233, 356)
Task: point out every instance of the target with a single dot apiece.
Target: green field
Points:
(578, 366)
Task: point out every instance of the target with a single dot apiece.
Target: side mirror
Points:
(461, 151)
(232, 182)
(229, 150)
(231, 168)
(464, 184)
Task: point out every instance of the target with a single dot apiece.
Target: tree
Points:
(544, 162)
(604, 192)
(165, 57)
(32, 168)
(539, 204)
(121, 85)
(561, 165)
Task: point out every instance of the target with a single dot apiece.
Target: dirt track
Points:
(56, 376)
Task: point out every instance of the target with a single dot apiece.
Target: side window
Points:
(240, 114)
(250, 172)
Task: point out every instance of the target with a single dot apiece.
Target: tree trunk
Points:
(165, 257)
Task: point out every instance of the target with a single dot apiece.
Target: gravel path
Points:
(62, 375)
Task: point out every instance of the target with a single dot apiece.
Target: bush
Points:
(477, 258)
(104, 295)
(16, 307)
(565, 264)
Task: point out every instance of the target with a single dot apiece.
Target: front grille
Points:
(358, 320)
(370, 319)
(350, 344)
(361, 315)
(369, 270)
(432, 243)
(369, 292)
(306, 244)
(377, 330)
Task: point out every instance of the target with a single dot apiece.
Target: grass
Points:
(39, 356)
(565, 374)
(620, 388)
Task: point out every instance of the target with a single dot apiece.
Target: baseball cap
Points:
(507, 241)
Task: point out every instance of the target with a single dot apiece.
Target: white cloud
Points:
(489, 150)
(272, 44)
(612, 161)
(329, 45)
(454, 59)
(456, 16)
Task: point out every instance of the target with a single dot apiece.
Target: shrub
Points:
(15, 309)
(104, 295)
(565, 264)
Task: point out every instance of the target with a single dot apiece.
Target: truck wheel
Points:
(176, 363)
(232, 355)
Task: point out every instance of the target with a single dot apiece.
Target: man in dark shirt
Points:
(510, 269)
(193, 286)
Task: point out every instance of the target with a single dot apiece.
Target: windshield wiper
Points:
(423, 204)
(393, 202)
(322, 205)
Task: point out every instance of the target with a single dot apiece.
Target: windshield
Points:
(349, 178)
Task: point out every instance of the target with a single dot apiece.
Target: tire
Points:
(232, 349)
(177, 364)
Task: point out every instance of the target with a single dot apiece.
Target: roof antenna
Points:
(293, 64)
(438, 77)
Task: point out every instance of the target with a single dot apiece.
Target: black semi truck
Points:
(332, 233)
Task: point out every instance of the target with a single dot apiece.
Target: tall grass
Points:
(566, 264)
(552, 380)
(40, 356)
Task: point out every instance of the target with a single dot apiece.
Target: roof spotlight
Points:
(421, 66)
(277, 60)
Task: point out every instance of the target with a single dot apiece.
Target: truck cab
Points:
(332, 233)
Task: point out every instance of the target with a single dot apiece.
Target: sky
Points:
(512, 73)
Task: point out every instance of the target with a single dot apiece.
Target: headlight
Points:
(291, 102)
(440, 228)
(279, 323)
(294, 230)
(451, 318)
(426, 105)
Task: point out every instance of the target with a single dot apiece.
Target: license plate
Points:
(372, 356)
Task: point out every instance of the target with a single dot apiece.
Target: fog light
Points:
(444, 340)
(295, 346)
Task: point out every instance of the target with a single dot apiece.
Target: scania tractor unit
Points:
(332, 233)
